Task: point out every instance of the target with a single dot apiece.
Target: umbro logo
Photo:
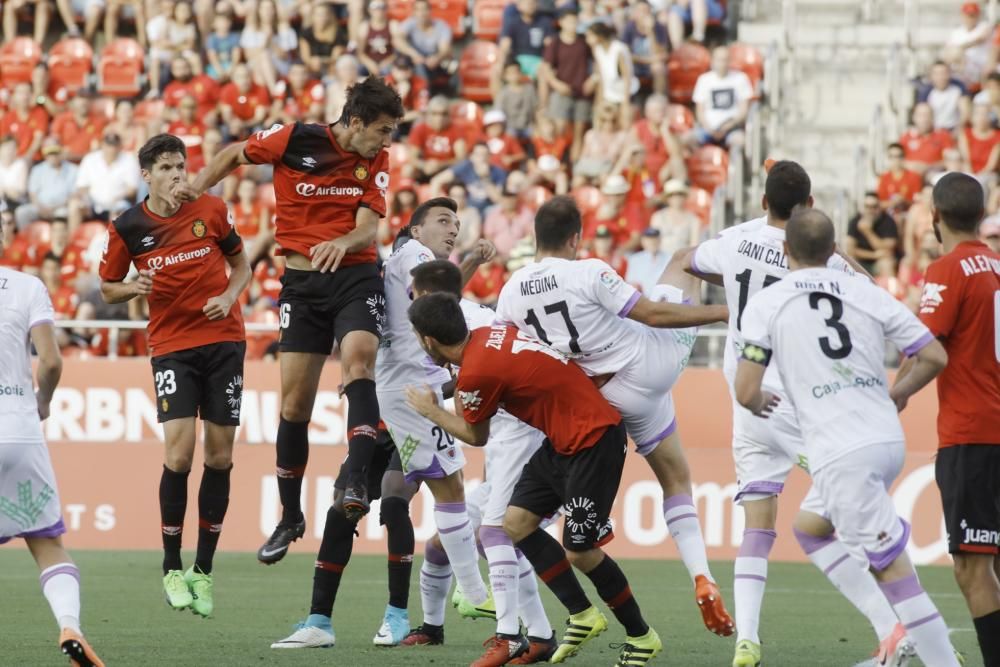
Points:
(308, 162)
(148, 241)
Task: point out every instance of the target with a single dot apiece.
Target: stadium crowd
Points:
(620, 104)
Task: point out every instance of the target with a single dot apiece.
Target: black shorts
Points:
(204, 381)
(317, 308)
(385, 458)
(969, 479)
(584, 484)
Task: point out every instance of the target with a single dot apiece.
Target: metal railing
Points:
(876, 142)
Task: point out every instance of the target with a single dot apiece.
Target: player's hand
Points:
(218, 307)
(768, 402)
(422, 399)
(901, 400)
(183, 191)
(326, 256)
(484, 251)
(143, 285)
(43, 407)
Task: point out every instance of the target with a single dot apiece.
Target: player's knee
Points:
(972, 572)
(518, 524)
(178, 461)
(585, 561)
(393, 511)
(295, 408)
(219, 459)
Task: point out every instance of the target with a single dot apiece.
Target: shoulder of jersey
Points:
(743, 227)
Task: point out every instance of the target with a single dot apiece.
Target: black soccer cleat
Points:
(277, 545)
(424, 635)
(356, 503)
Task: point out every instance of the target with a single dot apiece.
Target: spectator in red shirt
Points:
(505, 151)
(644, 188)
(485, 285)
(252, 220)
(189, 128)
(411, 88)
(46, 92)
(436, 143)
(124, 124)
(64, 298)
(545, 140)
(625, 224)
(924, 146)
(404, 202)
(664, 155)
(15, 246)
(243, 104)
(203, 88)
(26, 122)
(897, 186)
(604, 249)
(299, 95)
(978, 143)
(77, 129)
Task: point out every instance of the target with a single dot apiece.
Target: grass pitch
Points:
(805, 621)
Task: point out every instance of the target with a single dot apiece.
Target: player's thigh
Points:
(306, 313)
(177, 384)
(764, 452)
(27, 479)
(222, 382)
(969, 479)
(179, 437)
(358, 301)
(668, 463)
(592, 479)
(504, 466)
(426, 451)
(300, 374)
(541, 488)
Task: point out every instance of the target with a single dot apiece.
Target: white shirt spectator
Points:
(14, 179)
(721, 96)
(945, 104)
(612, 82)
(975, 55)
(107, 185)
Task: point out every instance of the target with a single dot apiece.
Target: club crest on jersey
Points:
(361, 173)
(199, 229)
(164, 405)
(470, 399)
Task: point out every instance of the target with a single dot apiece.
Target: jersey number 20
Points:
(844, 346)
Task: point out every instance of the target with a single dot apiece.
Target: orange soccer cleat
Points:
(76, 647)
(713, 609)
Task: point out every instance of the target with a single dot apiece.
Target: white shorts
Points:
(507, 452)
(641, 391)
(855, 491)
(29, 501)
(426, 450)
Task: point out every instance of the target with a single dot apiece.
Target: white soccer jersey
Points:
(827, 331)
(401, 361)
(749, 257)
(577, 307)
(24, 304)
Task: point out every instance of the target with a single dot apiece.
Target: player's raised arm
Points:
(663, 315)
(224, 163)
(49, 370)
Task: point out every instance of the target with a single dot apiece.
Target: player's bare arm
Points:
(663, 315)
(926, 365)
(49, 370)
(748, 389)
(218, 307)
(424, 401)
(484, 251)
(119, 291)
(223, 164)
(326, 256)
(687, 262)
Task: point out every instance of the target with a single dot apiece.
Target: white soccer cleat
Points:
(395, 627)
(307, 636)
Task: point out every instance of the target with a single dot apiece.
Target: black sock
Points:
(334, 552)
(213, 501)
(293, 454)
(173, 505)
(396, 519)
(362, 425)
(612, 586)
(549, 560)
(988, 631)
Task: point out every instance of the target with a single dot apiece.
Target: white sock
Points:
(503, 577)
(682, 522)
(459, 542)
(749, 581)
(435, 583)
(61, 587)
(529, 603)
(853, 580)
(922, 620)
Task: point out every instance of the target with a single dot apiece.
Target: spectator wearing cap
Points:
(872, 238)
(426, 40)
(222, 48)
(624, 223)
(50, 185)
(968, 46)
(722, 100)
(679, 227)
(694, 14)
(947, 96)
(13, 172)
(603, 247)
(106, 183)
(323, 40)
(243, 104)
(436, 143)
(989, 233)
(506, 151)
(78, 129)
(664, 153)
(602, 145)
(647, 40)
(482, 178)
(524, 32)
(412, 90)
(507, 223)
(375, 34)
(189, 128)
(564, 76)
(646, 266)
(25, 121)
(924, 145)
(185, 83)
(897, 186)
(299, 95)
(518, 101)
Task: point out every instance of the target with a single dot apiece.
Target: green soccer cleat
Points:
(200, 585)
(467, 609)
(580, 629)
(638, 651)
(747, 654)
(176, 590)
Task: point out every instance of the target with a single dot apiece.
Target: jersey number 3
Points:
(844, 346)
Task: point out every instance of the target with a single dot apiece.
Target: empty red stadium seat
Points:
(467, 112)
(17, 59)
(149, 109)
(487, 18)
(748, 60)
(71, 61)
(588, 198)
(119, 73)
(681, 119)
(708, 167)
(699, 202)
(474, 69)
(37, 232)
(686, 64)
(452, 12)
(400, 10)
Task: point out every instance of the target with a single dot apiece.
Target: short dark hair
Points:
(993, 76)
(871, 193)
(602, 30)
(439, 275)
(420, 213)
(810, 236)
(896, 146)
(51, 257)
(959, 201)
(159, 145)
(439, 316)
(370, 99)
(556, 221)
(787, 186)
